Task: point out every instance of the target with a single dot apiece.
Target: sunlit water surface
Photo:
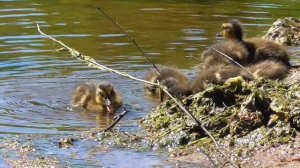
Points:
(36, 83)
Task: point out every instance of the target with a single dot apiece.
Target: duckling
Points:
(236, 51)
(176, 82)
(259, 49)
(97, 97)
(176, 88)
(266, 50)
(218, 74)
(269, 69)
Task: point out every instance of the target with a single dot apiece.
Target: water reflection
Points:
(37, 82)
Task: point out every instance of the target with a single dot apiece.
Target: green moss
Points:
(236, 108)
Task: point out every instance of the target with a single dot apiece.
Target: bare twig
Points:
(232, 60)
(191, 56)
(197, 59)
(91, 62)
(116, 120)
(128, 36)
(224, 164)
(229, 58)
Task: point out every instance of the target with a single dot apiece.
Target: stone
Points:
(285, 31)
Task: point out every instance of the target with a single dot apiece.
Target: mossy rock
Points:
(234, 109)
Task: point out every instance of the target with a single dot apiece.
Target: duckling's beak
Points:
(219, 34)
(109, 106)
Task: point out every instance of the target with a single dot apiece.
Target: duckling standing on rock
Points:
(259, 49)
(176, 82)
(97, 97)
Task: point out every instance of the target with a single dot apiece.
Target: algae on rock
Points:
(235, 108)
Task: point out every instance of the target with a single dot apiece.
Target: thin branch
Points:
(191, 56)
(116, 120)
(232, 60)
(228, 58)
(128, 36)
(223, 164)
(91, 62)
(197, 59)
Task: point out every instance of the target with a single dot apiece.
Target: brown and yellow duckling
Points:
(176, 82)
(259, 49)
(97, 97)
(268, 50)
(268, 69)
(218, 75)
(216, 54)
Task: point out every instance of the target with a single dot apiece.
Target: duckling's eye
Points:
(113, 93)
(101, 94)
(225, 28)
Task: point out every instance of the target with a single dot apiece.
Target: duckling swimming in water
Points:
(97, 97)
(259, 49)
(176, 82)
(236, 51)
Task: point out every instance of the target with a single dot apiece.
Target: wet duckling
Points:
(269, 69)
(259, 49)
(97, 97)
(176, 82)
(236, 51)
(218, 75)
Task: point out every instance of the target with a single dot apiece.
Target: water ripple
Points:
(193, 31)
(152, 9)
(22, 15)
(194, 38)
(267, 6)
(40, 36)
(18, 9)
(111, 35)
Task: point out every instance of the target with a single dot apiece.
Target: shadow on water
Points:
(36, 83)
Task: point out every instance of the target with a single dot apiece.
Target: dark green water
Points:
(36, 83)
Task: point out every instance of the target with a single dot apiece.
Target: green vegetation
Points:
(268, 111)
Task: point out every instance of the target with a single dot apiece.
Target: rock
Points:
(285, 31)
(66, 143)
(293, 77)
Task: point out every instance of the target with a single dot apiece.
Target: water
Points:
(36, 82)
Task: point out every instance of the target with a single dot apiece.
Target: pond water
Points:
(36, 83)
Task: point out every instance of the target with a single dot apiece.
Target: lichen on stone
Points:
(285, 31)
